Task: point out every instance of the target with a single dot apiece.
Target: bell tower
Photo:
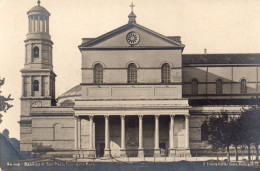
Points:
(38, 78)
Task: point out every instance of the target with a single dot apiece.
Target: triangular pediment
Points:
(119, 38)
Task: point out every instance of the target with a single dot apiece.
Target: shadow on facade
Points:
(231, 93)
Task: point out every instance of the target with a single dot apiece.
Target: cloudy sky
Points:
(221, 26)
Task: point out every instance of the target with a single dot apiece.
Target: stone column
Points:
(47, 25)
(156, 137)
(141, 148)
(49, 86)
(41, 86)
(171, 137)
(33, 23)
(53, 85)
(91, 132)
(76, 133)
(187, 145)
(38, 23)
(43, 24)
(92, 151)
(29, 26)
(107, 141)
(31, 86)
(94, 135)
(79, 132)
(123, 149)
(24, 86)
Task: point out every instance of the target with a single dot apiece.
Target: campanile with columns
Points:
(38, 78)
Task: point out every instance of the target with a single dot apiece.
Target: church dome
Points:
(38, 9)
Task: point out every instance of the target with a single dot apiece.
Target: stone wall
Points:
(198, 115)
(25, 137)
(131, 91)
(115, 63)
(53, 133)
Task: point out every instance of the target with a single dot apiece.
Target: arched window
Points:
(57, 132)
(98, 73)
(166, 73)
(219, 86)
(204, 131)
(132, 73)
(194, 86)
(243, 87)
(36, 52)
(35, 85)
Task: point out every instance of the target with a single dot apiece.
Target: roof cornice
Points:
(123, 28)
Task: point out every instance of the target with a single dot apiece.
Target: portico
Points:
(122, 132)
(131, 90)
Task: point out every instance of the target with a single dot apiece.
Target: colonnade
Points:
(38, 23)
(107, 150)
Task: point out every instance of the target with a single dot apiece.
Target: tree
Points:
(235, 132)
(250, 122)
(219, 132)
(4, 105)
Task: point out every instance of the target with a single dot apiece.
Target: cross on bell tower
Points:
(132, 16)
(132, 6)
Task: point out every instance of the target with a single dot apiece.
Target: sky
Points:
(221, 26)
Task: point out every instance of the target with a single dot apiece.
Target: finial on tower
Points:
(38, 2)
(132, 6)
(132, 16)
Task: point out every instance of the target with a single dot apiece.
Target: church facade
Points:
(139, 95)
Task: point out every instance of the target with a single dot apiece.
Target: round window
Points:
(132, 38)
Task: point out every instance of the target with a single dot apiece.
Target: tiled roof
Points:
(75, 91)
(250, 58)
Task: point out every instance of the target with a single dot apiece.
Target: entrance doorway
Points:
(101, 149)
(162, 149)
